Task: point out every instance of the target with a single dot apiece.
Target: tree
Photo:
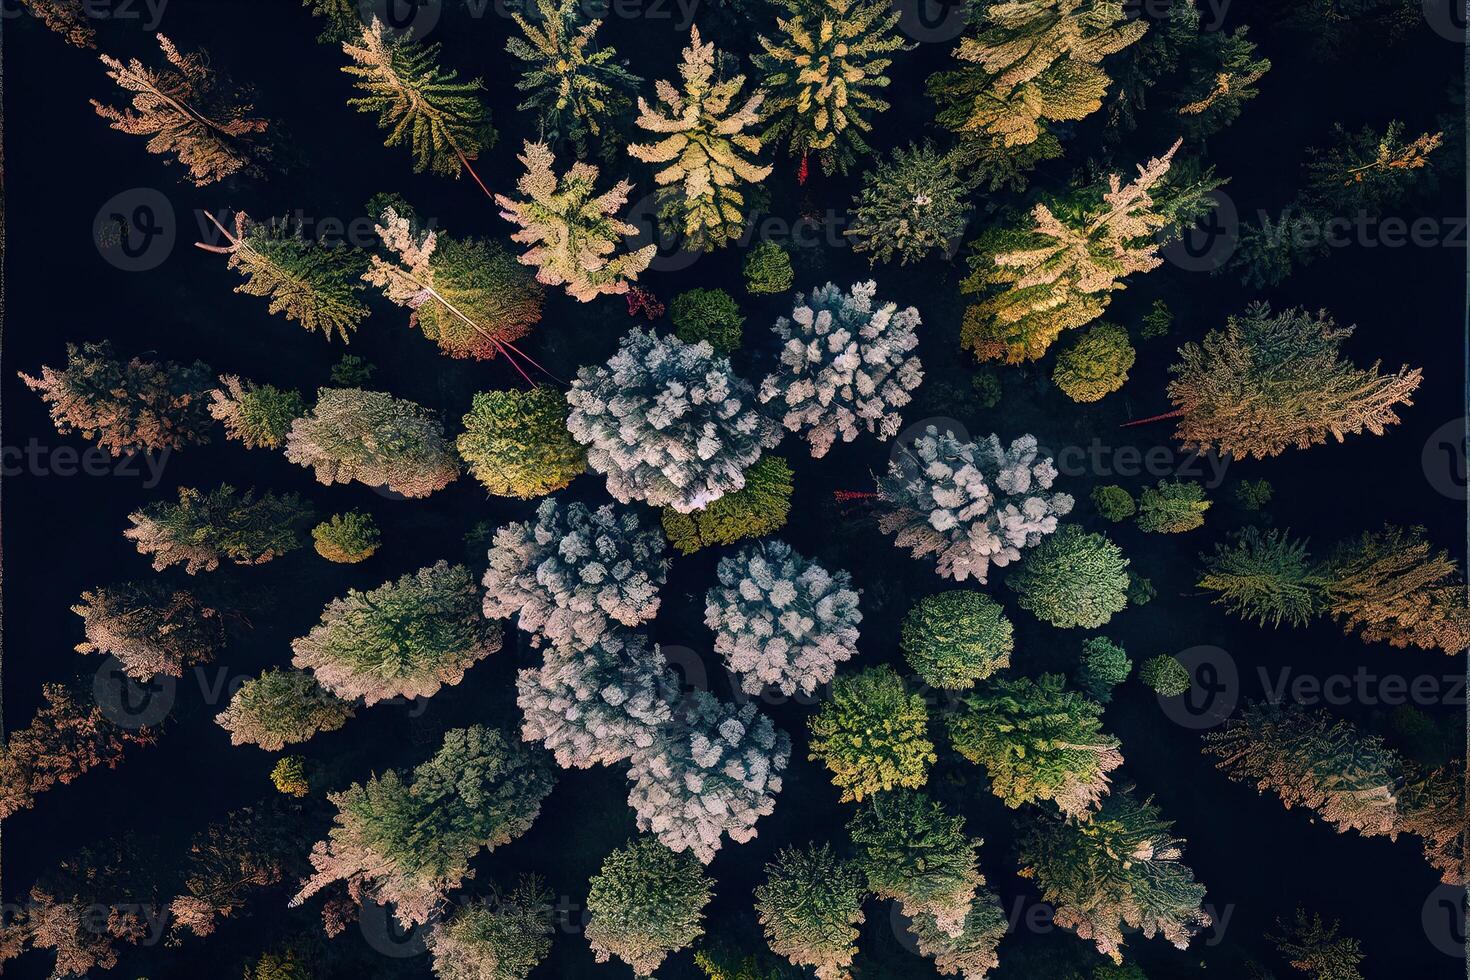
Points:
(285, 965)
(872, 734)
(149, 628)
(645, 903)
(577, 89)
(574, 572)
(821, 71)
(190, 111)
(310, 282)
(767, 269)
(68, 18)
(1073, 579)
(668, 423)
(207, 526)
(1121, 869)
(1393, 586)
(403, 639)
(1037, 741)
(127, 407)
(954, 639)
(971, 954)
(973, 504)
(1104, 666)
(374, 438)
(708, 315)
(517, 445)
(781, 620)
(1164, 675)
(280, 708)
(1266, 383)
(705, 149)
(1095, 366)
(715, 770)
(66, 738)
(1314, 947)
(347, 538)
(1172, 507)
(1113, 502)
(504, 937)
(1264, 576)
(755, 510)
(1432, 807)
(1060, 274)
(290, 776)
(1253, 495)
(845, 366)
(407, 840)
(1308, 758)
(1157, 322)
(810, 906)
(251, 849)
(259, 415)
(913, 851)
(910, 206)
(421, 105)
(573, 232)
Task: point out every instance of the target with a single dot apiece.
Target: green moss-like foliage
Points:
(1172, 507)
(1113, 502)
(987, 388)
(645, 903)
(1165, 675)
(1141, 590)
(811, 905)
(915, 852)
(755, 510)
(347, 538)
(280, 708)
(1264, 576)
(1073, 579)
(289, 776)
(707, 314)
(954, 639)
(1104, 666)
(352, 371)
(872, 734)
(516, 443)
(207, 526)
(503, 938)
(1253, 495)
(1157, 322)
(257, 415)
(767, 269)
(910, 206)
(1096, 365)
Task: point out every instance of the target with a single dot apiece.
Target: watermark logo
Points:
(1214, 689)
(1207, 244)
(135, 230)
(385, 934)
(1443, 919)
(130, 703)
(1447, 18)
(1443, 459)
(932, 21)
(413, 19)
(673, 253)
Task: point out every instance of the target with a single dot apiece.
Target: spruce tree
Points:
(259, 415)
(374, 438)
(1393, 586)
(915, 852)
(911, 205)
(872, 734)
(954, 639)
(280, 708)
(1073, 579)
(645, 903)
(1096, 365)
(755, 510)
(1264, 576)
(1172, 507)
(205, 527)
(517, 445)
(503, 937)
(1315, 948)
(150, 628)
(810, 907)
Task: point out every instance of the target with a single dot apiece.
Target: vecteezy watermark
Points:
(94, 918)
(1214, 689)
(1212, 12)
(1447, 18)
(1364, 687)
(36, 459)
(1101, 459)
(1208, 243)
(135, 230)
(1443, 458)
(1028, 916)
(932, 21)
(1443, 919)
(147, 14)
(1304, 231)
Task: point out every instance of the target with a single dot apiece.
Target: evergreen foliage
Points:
(517, 445)
(150, 628)
(289, 776)
(953, 639)
(259, 415)
(1164, 675)
(755, 510)
(1264, 576)
(207, 526)
(500, 938)
(910, 206)
(348, 538)
(375, 439)
(1073, 579)
(708, 315)
(1157, 322)
(972, 953)
(811, 905)
(1096, 365)
(1314, 947)
(1104, 666)
(646, 903)
(1393, 586)
(1172, 507)
(872, 734)
(1113, 502)
(280, 708)
(767, 269)
(910, 849)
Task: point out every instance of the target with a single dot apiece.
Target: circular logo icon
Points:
(1443, 919)
(1207, 244)
(1443, 458)
(412, 18)
(1447, 18)
(130, 703)
(932, 21)
(672, 254)
(385, 934)
(135, 230)
(1214, 689)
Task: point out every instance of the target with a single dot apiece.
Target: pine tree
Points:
(573, 232)
(259, 415)
(1073, 579)
(1164, 675)
(645, 903)
(1172, 507)
(347, 538)
(314, 284)
(954, 639)
(810, 906)
(1393, 586)
(280, 708)
(1264, 576)
(190, 111)
(1265, 383)
(1104, 666)
(705, 149)
(1315, 948)
(149, 628)
(911, 205)
(821, 70)
(443, 120)
(207, 526)
(517, 445)
(374, 438)
(872, 734)
(755, 510)
(504, 937)
(1096, 365)
(708, 314)
(67, 18)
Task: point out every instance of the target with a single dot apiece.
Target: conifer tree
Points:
(1265, 383)
(504, 937)
(280, 708)
(374, 438)
(347, 538)
(150, 628)
(1264, 576)
(577, 89)
(207, 526)
(190, 111)
(822, 68)
(422, 106)
(706, 149)
(972, 953)
(469, 296)
(574, 233)
(1315, 948)
(1104, 666)
(1393, 586)
(126, 406)
(1037, 741)
(517, 445)
(1096, 365)
(872, 734)
(1164, 675)
(67, 18)
(708, 314)
(309, 282)
(911, 205)
(954, 639)
(1172, 507)
(645, 903)
(1073, 579)
(755, 510)
(405, 638)
(259, 415)
(810, 907)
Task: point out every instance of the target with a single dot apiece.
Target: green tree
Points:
(915, 852)
(150, 628)
(500, 938)
(767, 269)
(645, 903)
(1037, 741)
(954, 639)
(286, 965)
(374, 438)
(1393, 586)
(289, 776)
(207, 526)
(1315, 948)
(1172, 507)
(258, 415)
(1113, 502)
(872, 734)
(1104, 666)
(348, 538)
(1072, 579)
(705, 149)
(811, 905)
(1157, 322)
(517, 445)
(708, 315)
(1264, 576)
(352, 371)
(755, 510)
(1096, 365)
(910, 206)
(1253, 494)
(1165, 675)
(280, 708)
(821, 70)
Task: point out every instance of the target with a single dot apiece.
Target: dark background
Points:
(63, 535)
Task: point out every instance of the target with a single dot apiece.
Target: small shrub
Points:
(768, 269)
(347, 538)
(707, 314)
(1165, 675)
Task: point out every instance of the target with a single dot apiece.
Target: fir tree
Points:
(1073, 579)
(1393, 586)
(821, 70)
(347, 538)
(573, 232)
(207, 526)
(710, 315)
(149, 628)
(755, 510)
(910, 206)
(1096, 365)
(1104, 666)
(972, 953)
(280, 708)
(289, 776)
(767, 269)
(259, 415)
(1113, 503)
(1164, 675)
(705, 149)
(913, 851)
(872, 734)
(309, 282)
(374, 438)
(1315, 948)
(68, 18)
(1264, 576)
(517, 445)
(1266, 383)
(645, 903)
(1172, 507)
(810, 906)
(954, 639)
(190, 111)
(500, 938)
